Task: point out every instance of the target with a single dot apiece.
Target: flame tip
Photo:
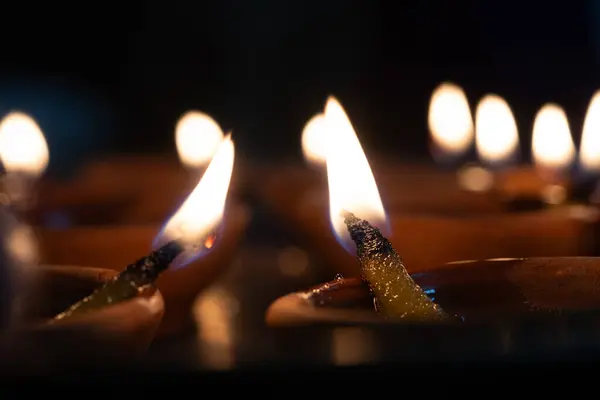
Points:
(195, 112)
(551, 106)
(331, 99)
(17, 112)
(448, 84)
(492, 96)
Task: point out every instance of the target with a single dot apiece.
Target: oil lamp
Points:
(183, 238)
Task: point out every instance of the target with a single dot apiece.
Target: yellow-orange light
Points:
(352, 186)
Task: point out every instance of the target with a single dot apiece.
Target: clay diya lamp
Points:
(428, 240)
(119, 333)
(503, 307)
(110, 191)
(126, 190)
(116, 246)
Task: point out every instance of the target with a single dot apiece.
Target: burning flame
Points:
(450, 120)
(551, 143)
(352, 185)
(23, 148)
(314, 140)
(197, 137)
(496, 135)
(589, 152)
(197, 218)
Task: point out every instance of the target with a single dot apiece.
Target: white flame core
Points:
(197, 137)
(203, 210)
(352, 185)
(23, 148)
(496, 135)
(551, 143)
(450, 120)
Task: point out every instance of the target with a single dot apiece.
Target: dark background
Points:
(102, 77)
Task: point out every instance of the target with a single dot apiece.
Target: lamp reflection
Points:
(214, 312)
(293, 262)
(352, 346)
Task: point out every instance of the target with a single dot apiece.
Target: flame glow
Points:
(197, 137)
(551, 143)
(314, 140)
(352, 185)
(210, 241)
(496, 135)
(23, 148)
(589, 152)
(200, 214)
(450, 120)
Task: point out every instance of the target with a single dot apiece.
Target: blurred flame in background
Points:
(23, 148)
(450, 121)
(589, 152)
(197, 137)
(553, 149)
(552, 145)
(496, 134)
(314, 140)
(496, 141)
(25, 156)
(352, 186)
(202, 211)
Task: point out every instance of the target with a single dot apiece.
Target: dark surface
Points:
(507, 376)
(233, 337)
(252, 344)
